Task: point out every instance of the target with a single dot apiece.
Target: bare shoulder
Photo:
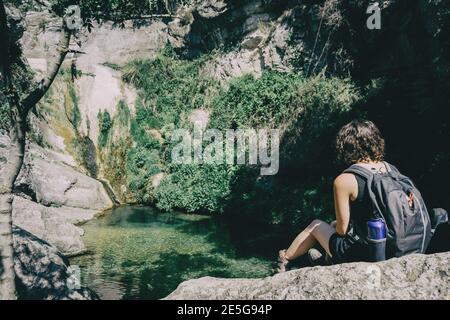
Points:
(345, 181)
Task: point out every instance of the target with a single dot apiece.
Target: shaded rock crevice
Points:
(42, 272)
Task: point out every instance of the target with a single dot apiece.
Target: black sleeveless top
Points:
(361, 208)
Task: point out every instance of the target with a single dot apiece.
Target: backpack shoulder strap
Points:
(368, 175)
(360, 171)
(391, 168)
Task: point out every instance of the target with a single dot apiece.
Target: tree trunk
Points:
(9, 175)
(54, 62)
(19, 110)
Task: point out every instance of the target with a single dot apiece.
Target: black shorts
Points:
(346, 249)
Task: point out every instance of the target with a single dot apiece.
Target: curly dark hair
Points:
(359, 140)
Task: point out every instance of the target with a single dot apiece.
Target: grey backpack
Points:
(399, 203)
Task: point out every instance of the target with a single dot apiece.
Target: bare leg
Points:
(317, 231)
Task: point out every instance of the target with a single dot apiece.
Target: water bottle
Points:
(376, 235)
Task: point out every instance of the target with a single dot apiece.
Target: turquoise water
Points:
(139, 253)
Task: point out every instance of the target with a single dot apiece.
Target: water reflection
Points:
(140, 254)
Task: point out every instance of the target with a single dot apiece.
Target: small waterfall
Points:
(110, 192)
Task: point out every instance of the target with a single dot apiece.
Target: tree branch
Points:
(5, 59)
(55, 64)
(44, 3)
(167, 5)
(4, 53)
(143, 17)
(75, 51)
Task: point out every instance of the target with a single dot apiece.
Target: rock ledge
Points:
(411, 277)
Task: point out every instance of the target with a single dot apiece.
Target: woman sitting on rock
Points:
(360, 146)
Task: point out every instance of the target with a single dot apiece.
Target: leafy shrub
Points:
(195, 188)
(105, 124)
(302, 189)
(319, 109)
(142, 163)
(168, 88)
(250, 102)
(123, 114)
(308, 112)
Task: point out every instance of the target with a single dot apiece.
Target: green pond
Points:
(140, 253)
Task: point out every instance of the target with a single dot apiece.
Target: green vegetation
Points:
(308, 112)
(114, 162)
(169, 88)
(111, 65)
(257, 103)
(196, 188)
(4, 114)
(85, 154)
(38, 138)
(142, 163)
(114, 141)
(71, 105)
(105, 124)
(123, 114)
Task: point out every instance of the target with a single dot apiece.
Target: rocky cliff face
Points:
(52, 198)
(410, 277)
(89, 83)
(255, 33)
(312, 36)
(97, 84)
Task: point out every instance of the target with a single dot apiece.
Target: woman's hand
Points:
(345, 190)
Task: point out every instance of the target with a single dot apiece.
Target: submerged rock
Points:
(43, 272)
(411, 277)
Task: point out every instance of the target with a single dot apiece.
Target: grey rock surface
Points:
(52, 198)
(100, 86)
(50, 181)
(54, 225)
(212, 8)
(259, 34)
(410, 277)
(43, 272)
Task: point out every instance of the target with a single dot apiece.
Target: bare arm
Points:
(345, 190)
